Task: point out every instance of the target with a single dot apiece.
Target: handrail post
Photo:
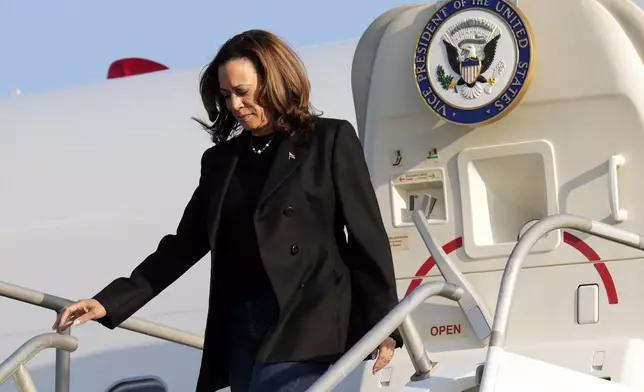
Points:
(23, 380)
(63, 366)
(416, 350)
(14, 365)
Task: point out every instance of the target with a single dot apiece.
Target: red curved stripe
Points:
(570, 239)
(602, 269)
(581, 246)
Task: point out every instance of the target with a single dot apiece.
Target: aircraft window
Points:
(139, 384)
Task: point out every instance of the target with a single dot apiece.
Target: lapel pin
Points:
(291, 156)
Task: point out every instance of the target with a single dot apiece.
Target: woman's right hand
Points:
(79, 313)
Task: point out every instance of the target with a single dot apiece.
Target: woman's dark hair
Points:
(283, 88)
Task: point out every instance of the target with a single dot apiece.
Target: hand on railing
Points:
(57, 304)
(397, 318)
(79, 313)
(384, 354)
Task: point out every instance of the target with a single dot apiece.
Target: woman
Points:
(289, 292)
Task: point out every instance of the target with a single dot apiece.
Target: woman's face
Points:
(238, 81)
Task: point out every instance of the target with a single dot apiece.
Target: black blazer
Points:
(330, 291)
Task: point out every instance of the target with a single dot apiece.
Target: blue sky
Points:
(47, 45)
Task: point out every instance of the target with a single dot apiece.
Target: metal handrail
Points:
(511, 273)
(397, 318)
(15, 364)
(56, 304)
(63, 359)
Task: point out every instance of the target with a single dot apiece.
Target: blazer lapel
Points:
(290, 154)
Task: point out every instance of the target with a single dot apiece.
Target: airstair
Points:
(494, 369)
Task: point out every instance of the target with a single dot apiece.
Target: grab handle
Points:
(615, 162)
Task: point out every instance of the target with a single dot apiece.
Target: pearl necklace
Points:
(261, 150)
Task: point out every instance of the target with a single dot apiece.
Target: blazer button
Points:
(294, 249)
(288, 211)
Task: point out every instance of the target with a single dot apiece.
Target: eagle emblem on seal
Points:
(469, 64)
(470, 48)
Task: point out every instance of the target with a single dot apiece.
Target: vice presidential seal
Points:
(473, 60)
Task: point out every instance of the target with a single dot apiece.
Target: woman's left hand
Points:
(385, 354)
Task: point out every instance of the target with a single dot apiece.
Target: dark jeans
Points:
(250, 322)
